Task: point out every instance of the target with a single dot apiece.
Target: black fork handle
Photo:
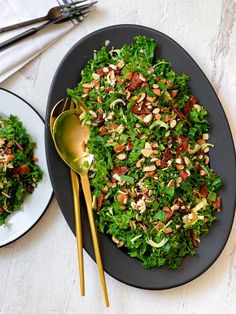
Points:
(22, 24)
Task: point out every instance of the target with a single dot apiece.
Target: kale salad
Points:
(154, 192)
(19, 173)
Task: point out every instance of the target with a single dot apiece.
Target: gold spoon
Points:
(56, 111)
(70, 138)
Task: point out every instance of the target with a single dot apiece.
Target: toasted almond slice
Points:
(149, 168)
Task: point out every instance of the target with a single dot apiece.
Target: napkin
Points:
(19, 54)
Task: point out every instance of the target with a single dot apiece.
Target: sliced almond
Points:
(180, 167)
(88, 85)
(149, 168)
(121, 156)
(139, 162)
(141, 97)
(157, 91)
(173, 123)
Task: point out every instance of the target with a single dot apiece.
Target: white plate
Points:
(36, 203)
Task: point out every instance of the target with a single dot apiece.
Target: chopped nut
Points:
(122, 198)
(150, 192)
(201, 141)
(88, 85)
(148, 118)
(134, 205)
(197, 107)
(96, 76)
(180, 167)
(156, 110)
(202, 172)
(150, 99)
(93, 113)
(148, 146)
(147, 152)
(168, 118)
(121, 156)
(158, 163)
(114, 239)
(187, 161)
(155, 86)
(179, 180)
(128, 75)
(111, 184)
(206, 150)
(179, 161)
(174, 207)
(105, 69)
(142, 78)
(120, 242)
(173, 123)
(158, 116)
(132, 224)
(139, 162)
(99, 99)
(205, 136)
(119, 148)
(150, 174)
(128, 94)
(141, 97)
(86, 90)
(149, 168)
(168, 230)
(157, 91)
(207, 159)
(120, 64)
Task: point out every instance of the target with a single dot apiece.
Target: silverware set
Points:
(56, 15)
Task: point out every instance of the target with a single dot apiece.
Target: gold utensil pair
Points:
(69, 137)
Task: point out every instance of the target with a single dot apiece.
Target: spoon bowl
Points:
(70, 138)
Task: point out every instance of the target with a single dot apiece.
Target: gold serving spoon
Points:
(70, 138)
(56, 111)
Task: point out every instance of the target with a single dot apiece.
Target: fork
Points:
(78, 13)
(52, 15)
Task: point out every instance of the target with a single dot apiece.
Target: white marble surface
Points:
(38, 273)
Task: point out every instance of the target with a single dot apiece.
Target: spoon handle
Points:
(75, 189)
(88, 200)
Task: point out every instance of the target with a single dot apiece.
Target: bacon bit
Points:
(128, 76)
(217, 203)
(140, 109)
(180, 114)
(189, 105)
(103, 131)
(183, 175)
(1, 210)
(100, 200)
(174, 93)
(203, 191)
(134, 83)
(193, 238)
(119, 148)
(99, 120)
(182, 145)
(7, 151)
(168, 212)
(101, 72)
(21, 170)
(120, 170)
(167, 156)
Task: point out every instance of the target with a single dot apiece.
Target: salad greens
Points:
(153, 189)
(19, 174)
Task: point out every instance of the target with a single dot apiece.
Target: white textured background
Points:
(38, 273)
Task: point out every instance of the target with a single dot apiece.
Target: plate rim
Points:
(174, 42)
(52, 194)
